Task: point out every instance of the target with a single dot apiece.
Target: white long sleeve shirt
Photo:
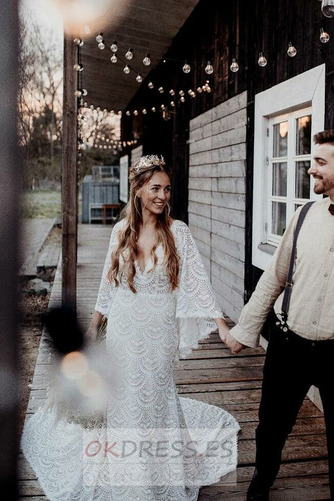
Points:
(311, 312)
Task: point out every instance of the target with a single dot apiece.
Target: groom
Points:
(304, 355)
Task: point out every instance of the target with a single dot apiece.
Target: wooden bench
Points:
(111, 207)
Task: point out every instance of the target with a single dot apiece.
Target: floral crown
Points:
(147, 161)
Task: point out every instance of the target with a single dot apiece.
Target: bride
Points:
(152, 445)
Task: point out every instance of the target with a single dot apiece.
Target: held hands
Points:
(229, 340)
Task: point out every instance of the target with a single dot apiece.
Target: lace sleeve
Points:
(107, 290)
(196, 304)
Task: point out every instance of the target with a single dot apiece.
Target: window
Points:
(288, 160)
(286, 118)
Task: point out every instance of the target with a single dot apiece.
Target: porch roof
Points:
(148, 27)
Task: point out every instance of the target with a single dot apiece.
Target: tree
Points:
(39, 102)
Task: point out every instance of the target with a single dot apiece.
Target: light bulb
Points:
(78, 93)
(78, 67)
(193, 94)
(144, 111)
(327, 8)
(139, 78)
(172, 104)
(161, 90)
(150, 85)
(190, 91)
(163, 106)
(119, 113)
(182, 99)
(101, 46)
(172, 92)
(199, 89)
(113, 58)
(186, 68)
(99, 38)
(135, 112)
(114, 47)
(147, 60)
(209, 68)
(234, 65)
(324, 36)
(292, 51)
(129, 54)
(153, 109)
(78, 41)
(181, 93)
(262, 61)
(127, 113)
(126, 69)
(84, 92)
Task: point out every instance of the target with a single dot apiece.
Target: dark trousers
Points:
(292, 365)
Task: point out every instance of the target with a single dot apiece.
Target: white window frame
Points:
(306, 90)
(290, 199)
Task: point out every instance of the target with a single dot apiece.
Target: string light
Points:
(292, 51)
(99, 38)
(101, 46)
(135, 112)
(126, 69)
(147, 60)
(327, 8)
(182, 99)
(209, 68)
(128, 113)
(186, 68)
(153, 109)
(113, 58)
(78, 42)
(114, 47)
(234, 65)
(81, 92)
(262, 61)
(129, 54)
(199, 90)
(324, 36)
(172, 92)
(181, 93)
(144, 111)
(139, 78)
(161, 90)
(150, 85)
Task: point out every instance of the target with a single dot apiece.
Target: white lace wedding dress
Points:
(177, 444)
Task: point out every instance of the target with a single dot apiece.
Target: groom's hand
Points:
(233, 344)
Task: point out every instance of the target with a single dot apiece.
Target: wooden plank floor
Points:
(210, 374)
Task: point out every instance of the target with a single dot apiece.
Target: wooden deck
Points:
(215, 376)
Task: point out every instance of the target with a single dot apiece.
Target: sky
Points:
(45, 14)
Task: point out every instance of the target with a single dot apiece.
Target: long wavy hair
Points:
(140, 175)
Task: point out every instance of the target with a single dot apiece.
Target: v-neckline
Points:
(149, 261)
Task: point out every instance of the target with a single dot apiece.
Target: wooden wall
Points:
(217, 168)
(218, 31)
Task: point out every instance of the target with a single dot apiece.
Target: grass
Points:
(41, 204)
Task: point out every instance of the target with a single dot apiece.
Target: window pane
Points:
(302, 180)
(303, 139)
(278, 218)
(279, 185)
(280, 136)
